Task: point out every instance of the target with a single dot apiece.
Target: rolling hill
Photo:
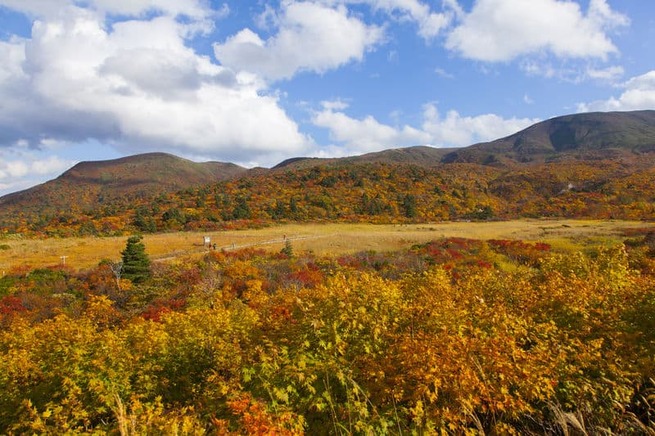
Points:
(418, 155)
(91, 184)
(586, 165)
(596, 135)
(587, 136)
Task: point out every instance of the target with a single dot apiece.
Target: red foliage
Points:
(255, 419)
(155, 313)
(158, 309)
(309, 276)
(523, 252)
(10, 305)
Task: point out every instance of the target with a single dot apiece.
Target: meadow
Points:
(519, 327)
(322, 239)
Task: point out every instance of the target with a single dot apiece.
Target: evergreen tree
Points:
(143, 220)
(136, 263)
(293, 207)
(287, 250)
(409, 206)
(174, 216)
(241, 210)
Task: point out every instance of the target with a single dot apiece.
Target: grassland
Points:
(83, 253)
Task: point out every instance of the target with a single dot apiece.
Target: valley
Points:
(322, 239)
(327, 218)
(502, 288)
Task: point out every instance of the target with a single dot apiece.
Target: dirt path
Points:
(231, 247)
(320, 238)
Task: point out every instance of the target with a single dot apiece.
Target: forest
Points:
(368, 192)
(446, 335)
(454, 336)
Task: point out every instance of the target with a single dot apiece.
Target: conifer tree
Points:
(136, 263)
(287, 250)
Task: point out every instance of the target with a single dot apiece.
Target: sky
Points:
(257, 82)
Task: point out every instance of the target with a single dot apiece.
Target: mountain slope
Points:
(419, 155)
(598, 165)
(90, 184)
(580, 136)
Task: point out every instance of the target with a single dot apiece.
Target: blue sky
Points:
(256, 82)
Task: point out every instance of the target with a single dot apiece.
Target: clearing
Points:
(81, 253)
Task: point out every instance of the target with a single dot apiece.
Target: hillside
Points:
(588, 165)
(598, 135)
(418, 155)
(89, 185)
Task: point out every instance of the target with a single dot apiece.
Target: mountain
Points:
(588, 136)
(596, 135)
(418, 155)
(595, 165)
(90, 184)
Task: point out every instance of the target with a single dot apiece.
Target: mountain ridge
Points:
(130, 176)
(592, 133)
(589, 152)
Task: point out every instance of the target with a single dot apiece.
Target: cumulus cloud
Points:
(638, 94)
(367, 134)
(502, 30)
(310, 37)
(454, 130)
(136, 84)
(24, 169)
(429, 23)
(45, 8)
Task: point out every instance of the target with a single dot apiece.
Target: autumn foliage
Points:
(374, 192)
(457, 336)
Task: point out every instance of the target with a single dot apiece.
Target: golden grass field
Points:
(82, 253)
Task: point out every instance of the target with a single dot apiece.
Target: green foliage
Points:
(409, 206)
(143, 220)
(136, 263)
(174, 217)
(287, 250)
(241, 210)
(481, 213)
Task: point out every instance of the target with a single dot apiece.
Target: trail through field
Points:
(320, 238)
(232, 247)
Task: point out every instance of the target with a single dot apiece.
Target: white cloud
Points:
(364, 135)
(50, 8)
(310, 37)
(192, 8)
(24, 169)
(502, 30)
(138, 85)
(609, 74)
(638, 94)
(36, 7)
(443, 73)
(367, 134)
(429, 23)
(50, 165)
(334, 105)
(572, 72)
(456, 131)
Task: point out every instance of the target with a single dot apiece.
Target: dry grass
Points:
(320, 238)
